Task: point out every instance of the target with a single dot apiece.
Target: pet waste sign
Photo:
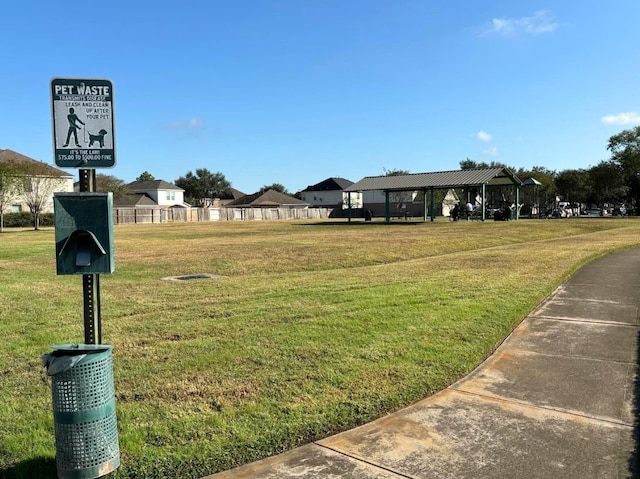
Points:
(83, 126)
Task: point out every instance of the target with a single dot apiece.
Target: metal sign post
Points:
(91, 282)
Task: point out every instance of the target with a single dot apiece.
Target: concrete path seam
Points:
(585, 320)
(364, 461)
(572, 356)
(568, 412)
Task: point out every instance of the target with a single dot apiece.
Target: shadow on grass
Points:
(361, 222)
(38, 467)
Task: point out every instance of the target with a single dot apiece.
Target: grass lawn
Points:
(316, 328)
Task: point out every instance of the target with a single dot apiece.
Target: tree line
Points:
(612, 181)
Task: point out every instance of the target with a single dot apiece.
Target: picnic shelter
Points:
(476, 183)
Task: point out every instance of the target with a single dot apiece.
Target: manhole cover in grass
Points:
(191, 277)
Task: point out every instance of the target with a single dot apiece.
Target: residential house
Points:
(330, 194)
(264, 205)
(157, 193)
(268, 199)
(227, 198)
(42, 180)
(327, 193)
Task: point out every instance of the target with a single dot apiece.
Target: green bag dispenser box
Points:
(84, 233)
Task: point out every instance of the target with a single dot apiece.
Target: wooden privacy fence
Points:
(183, 215)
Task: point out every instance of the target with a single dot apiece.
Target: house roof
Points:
(330, 184)
(237, 193)
(267, 198)
(35, 167)
(134, 199)
(531, 182)
(444, 179)
(232, 195)
(152, 185)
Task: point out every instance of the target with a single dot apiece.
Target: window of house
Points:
(171, 195)
(16, 208)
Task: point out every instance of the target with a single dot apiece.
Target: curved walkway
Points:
(558, 399)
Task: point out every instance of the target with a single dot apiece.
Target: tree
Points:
(607, 183)
(395, 172)
(276, 187)
(470, 164)
(113, 184)
(573, 185)
(38, 190)
(145, 176)
(625, 153)
(12, 185)
(625, 148)
(203, 187)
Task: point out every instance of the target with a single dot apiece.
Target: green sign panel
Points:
(83, 123)
(84, 233)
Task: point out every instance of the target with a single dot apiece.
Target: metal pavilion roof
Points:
(443, 179)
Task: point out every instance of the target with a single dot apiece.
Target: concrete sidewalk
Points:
(558, 399)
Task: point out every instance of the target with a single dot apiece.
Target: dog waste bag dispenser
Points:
(84, 233)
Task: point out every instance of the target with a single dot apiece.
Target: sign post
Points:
(84, 138)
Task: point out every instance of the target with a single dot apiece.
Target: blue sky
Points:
(296, 91)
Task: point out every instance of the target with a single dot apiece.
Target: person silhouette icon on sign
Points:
(73, 127)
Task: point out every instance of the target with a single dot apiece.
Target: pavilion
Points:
(479, 179)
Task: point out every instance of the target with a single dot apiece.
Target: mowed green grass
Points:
(317, 328)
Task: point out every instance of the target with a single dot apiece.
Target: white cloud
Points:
(191, 124)
(493, 151)
(483, 136)
(540, 22)
(627, 118)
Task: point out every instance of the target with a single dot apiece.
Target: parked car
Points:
(593, 211)
(620, 211)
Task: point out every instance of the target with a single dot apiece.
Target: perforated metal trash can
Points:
(84, 410)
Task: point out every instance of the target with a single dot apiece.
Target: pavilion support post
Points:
(483, 205)
(387, 209)
(517, 202)
(349, 206)
(424, 205)
(432, 206)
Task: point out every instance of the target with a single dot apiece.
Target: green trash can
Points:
(84, 410)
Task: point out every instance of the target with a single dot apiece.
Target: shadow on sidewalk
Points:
(634, 460)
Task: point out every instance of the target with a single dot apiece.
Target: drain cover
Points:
(190, 277)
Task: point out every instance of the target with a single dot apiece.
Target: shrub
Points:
(24, 219)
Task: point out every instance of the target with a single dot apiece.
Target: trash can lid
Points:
(81, 348)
